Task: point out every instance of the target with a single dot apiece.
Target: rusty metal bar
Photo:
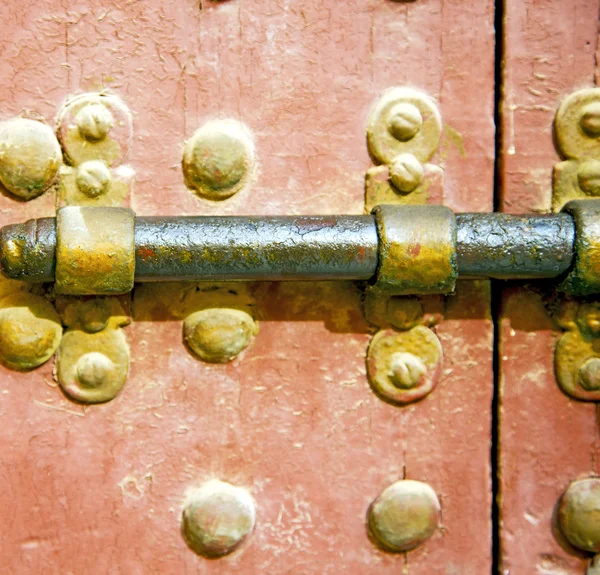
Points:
(300, 247)
(255, 248)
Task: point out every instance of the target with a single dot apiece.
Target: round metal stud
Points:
(30, 331)
(577, 125)
(404, 516)
(217, 518)
(218, 335)
(579, 514)
(30, 157)
(404, 367)
(217, 159)
(95, 126)
(394, 127)
(406, 173)
(93, 178)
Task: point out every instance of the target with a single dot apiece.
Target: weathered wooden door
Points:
(240, 431)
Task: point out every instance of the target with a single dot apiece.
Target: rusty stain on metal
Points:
(383, 143)
(95, 131)
(584, 276)
(403, 133)
(218, 159)
(30, 330)
(404, 516)
(218, 335)
(92, 360)
(404, 367)
(417, 250)
(87, 133)
(576, 360)
(95, 250)
(576, 128)
(217, 518)
(579, 514)
(575, 124)
(30, 157)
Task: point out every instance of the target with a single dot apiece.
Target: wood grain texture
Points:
(546, 439)
(101, 489)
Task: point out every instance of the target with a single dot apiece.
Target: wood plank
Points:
(546, 439)
(294, 419)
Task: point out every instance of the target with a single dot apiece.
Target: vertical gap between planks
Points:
(496, 292)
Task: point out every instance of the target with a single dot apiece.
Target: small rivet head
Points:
(579, 514)
(406, 173)
(406, 121)
(94, 122)
(589, 374)
(217, 159)
(217, 518)
(93, 178)
(408, 370)
(94, 369)
(588, 177)
(218, 335)
(404, 516)
(590, 120)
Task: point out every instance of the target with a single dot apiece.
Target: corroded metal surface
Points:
(306, 247)
(253, 248)
(576, 358)
(95, 126)
(417, 249)
(28, 250)
(404, 120)
(92, 361)
(94, 250)
(584, 277)
(404, 367)
(506, 246)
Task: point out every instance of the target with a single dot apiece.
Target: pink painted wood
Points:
(547, 439)
(100, 489)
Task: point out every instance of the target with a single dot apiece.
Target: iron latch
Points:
(400, 249)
